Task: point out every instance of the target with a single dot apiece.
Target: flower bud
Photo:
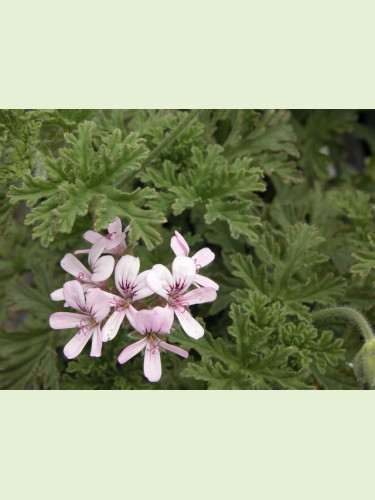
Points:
(364, 363)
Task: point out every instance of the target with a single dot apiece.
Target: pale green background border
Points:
(192, 54)
(164, 445)
(180, 445)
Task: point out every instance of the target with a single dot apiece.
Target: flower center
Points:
(86, 325)
(128, 290)
(177, 287)
(121, 304)
(179, 303)
(153, 343)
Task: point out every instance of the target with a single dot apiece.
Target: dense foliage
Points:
(284, 199)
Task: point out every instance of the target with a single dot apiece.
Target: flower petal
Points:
(175, 349)
(206, 282)
(97, 304)
(57, 294)
(158, 320)
(130, 351)
(131, 312)
(114, 241)
(73, 266)
(78, 252)
(200, 296)
(189, 324)
(112, 325)
(144, 320)
(96, 343)
(179, 245)
(141, 289)
(96, 251)
(77, 343)
(92, 236)
(89, 286)
(115, 226)
(74, 296)
(62, 320)
(125, 274)
(152, 363)
(166, 321)
(203, 257)
(183, 270)
(114, 300)
(103, 268)
(160, 280)
(119, 249)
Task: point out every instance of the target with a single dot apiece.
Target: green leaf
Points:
(212, 187)
(254, 277)
(79, 154)
(144, 222)
(319, 132)
(33, 189)
(81, 182)
(42, 218)
(273, 133)
(251, 363)
(237, 215)
(25, 357)
(365, 264)
(327, 351)
(283, 267)
(219, 377)
(74, 203)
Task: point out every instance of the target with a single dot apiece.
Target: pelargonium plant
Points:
(242, 238)
(102, 312)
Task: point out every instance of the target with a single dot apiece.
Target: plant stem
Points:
(350, 313)
(169, 138)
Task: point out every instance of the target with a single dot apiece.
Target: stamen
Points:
(120, 305)
(84, 327)
(81, 276)
(154, 347)
(81, 324)
(179, 304)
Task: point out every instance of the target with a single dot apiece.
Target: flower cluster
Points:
(103, 307)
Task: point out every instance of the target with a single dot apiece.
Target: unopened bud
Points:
(364, 363)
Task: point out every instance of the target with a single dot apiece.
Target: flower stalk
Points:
(364, 361)
(349, 313)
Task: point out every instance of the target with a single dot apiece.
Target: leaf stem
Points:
(349, 313)
(169, 138)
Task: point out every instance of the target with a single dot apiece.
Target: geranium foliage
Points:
(285, 200)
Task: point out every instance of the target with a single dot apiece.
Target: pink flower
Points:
(93, 309)
(101, 267)
(114, 241)
(132, 286)
(173, 287)
(202, 258)
(150, 323)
